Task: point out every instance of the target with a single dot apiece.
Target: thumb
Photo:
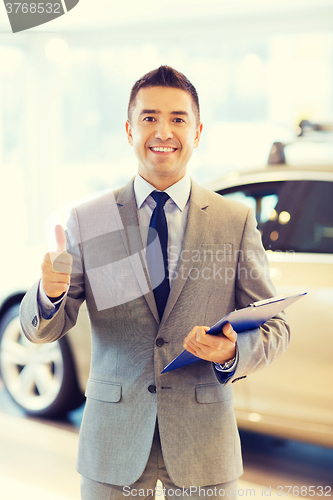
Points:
(60, 238)
(229, 332)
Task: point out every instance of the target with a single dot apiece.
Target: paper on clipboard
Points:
(250, 317)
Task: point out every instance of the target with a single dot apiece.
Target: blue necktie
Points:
(158, 268)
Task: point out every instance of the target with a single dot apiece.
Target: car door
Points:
(296, 222)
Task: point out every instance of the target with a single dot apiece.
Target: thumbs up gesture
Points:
(57, 267)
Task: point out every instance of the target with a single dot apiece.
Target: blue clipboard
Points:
(249, 318)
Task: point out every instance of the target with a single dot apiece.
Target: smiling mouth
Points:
(163, 150)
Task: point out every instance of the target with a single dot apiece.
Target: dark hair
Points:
(164, 76)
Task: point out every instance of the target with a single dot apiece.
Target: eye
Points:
(179, 120)
(148, 119)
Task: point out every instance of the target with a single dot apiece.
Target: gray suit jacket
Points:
(222, 267)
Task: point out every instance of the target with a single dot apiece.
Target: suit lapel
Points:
(132, 239)
(195, 235)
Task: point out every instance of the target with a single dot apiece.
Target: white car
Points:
(293, 397)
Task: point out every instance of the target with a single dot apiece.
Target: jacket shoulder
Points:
(105, 201)
(95, 218)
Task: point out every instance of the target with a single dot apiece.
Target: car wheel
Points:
(40, 378)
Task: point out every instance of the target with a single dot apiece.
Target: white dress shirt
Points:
(176, 212)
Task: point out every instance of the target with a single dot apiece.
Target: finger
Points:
(191, 343)
(55, 264)
(190, 349)
(55, 290)
(229, 332)
(55, 287)
(191, 337)
(58, 279)
(211, 341)
(62, 263)
(200, 332)
(50, 274)
(62, 267)
(205, 352)
(197, 349)
(60, 238)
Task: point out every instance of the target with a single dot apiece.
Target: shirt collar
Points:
(178, 192)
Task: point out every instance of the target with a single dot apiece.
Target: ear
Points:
(129, 132)
(198, 135)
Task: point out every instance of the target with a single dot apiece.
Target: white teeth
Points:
(163, 150)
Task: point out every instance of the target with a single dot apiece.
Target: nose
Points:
(163, 131)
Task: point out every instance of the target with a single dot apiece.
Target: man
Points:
(140, 425)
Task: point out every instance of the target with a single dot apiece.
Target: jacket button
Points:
(159, 342)
(152, 389)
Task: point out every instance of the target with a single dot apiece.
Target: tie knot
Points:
(160, 197)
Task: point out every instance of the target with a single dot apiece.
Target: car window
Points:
(250, 201)
(291, 215)
(314, 229)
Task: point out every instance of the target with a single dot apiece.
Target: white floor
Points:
(37, 462)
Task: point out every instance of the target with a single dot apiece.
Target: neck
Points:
(161, 183)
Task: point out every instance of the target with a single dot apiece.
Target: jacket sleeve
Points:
(259, 347)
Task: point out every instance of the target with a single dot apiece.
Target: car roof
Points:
(273, 173)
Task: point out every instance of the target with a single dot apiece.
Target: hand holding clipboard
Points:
(249, 318)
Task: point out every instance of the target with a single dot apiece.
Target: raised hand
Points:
(57, 267)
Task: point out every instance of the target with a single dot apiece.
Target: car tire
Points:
(40, 378)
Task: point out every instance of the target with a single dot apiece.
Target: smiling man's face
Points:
(163, 131)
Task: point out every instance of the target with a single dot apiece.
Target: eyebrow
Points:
(156, 112)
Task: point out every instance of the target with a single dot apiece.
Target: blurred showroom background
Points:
(260, 66)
